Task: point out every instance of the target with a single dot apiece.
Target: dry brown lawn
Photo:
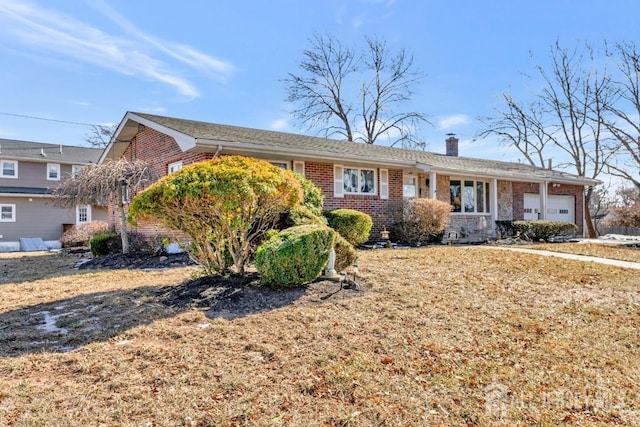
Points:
(438, 336)
(604, 250)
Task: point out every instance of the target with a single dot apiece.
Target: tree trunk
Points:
(591, 229)
(123, 223)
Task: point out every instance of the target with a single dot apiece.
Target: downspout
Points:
(218, 150)
(494, 200)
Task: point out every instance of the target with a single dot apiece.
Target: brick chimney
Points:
(452, 145)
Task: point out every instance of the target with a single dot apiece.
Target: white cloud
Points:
(280, 124)
(449, 122)
(139, 56)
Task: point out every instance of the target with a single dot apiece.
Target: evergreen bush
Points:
(103, 244)
(295, 256)
(353, 225)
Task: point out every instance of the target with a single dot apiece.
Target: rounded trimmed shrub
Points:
(353, 225)
(103, 244)
(295, 256)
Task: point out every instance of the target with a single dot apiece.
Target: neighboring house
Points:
(28, 172)
(370, 178)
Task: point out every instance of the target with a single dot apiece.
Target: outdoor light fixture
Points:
(384, 234)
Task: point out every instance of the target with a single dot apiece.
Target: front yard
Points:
(437, 336)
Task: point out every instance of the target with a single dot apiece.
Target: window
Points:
(408, 185)
(8, 169)
(7, 213)
(83, 214)
(53, 172)
(469, 196)
(281, 165)
(174, 167)
(75, 169)
(359, 181)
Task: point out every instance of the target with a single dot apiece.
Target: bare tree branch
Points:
(325, 103)
(103, 184)
(100, 135)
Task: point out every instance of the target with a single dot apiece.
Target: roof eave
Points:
(128, 129)
(205, 145)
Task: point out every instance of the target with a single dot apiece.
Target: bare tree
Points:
(100, 135)
(567, 116)
(110, 182)
(624, 122)
(521, 127)
(384, 80)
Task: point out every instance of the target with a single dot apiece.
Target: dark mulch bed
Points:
(222, 296)
(141, 261)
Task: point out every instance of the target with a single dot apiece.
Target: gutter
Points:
(301, 153)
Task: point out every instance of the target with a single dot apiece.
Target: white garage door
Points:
(559, 208)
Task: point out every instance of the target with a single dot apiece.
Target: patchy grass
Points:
(438, 336)
(622, 253)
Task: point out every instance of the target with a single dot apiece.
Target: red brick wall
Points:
(322, 176)
(520, 188)
(159, 150)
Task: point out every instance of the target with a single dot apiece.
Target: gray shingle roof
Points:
(335, 148)
(68, 154)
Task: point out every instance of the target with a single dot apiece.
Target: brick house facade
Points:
(482, 191)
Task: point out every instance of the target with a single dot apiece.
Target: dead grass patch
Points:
(440, 336)
(622, 253)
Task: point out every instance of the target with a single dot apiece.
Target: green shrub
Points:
(224, 205)
(302, 215)
(103, 244)
(346, 254)
(353, 225)
(543, 229)
(312, 195)
(295, 256)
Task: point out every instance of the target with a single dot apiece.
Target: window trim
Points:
(298, 167)
(486, 195)
(374, 192)
(172, 165)
(13, 212)
(57, 167)
(78, 214)
(75, 169)
(15, 169)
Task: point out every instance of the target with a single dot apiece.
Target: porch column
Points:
(543, 200)
(494, 199)
(432, 185)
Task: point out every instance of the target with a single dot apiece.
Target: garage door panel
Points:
(559, 208)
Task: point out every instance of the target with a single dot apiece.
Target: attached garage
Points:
(559, 208)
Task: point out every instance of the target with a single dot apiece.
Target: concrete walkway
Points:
(614, 262)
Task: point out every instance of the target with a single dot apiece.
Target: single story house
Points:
(28, 173)
(370, 178)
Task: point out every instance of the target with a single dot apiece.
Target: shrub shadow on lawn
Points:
(64, 325)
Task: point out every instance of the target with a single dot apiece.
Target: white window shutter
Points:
(338, 181)
(298, 167)
(384, 183)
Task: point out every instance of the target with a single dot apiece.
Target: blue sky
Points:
(222, 61)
